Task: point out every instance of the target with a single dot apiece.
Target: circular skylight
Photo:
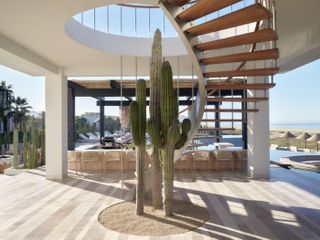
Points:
(130, 20)
(124, 29)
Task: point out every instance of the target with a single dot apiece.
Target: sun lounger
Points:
(274, 146)
(83, 137)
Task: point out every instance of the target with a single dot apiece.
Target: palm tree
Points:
(9, 90)
(20, 109)
(5, 105)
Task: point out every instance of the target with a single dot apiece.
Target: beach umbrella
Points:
(315, 138)
(287, 135)
(304, 136)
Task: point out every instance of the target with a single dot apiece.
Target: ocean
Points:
(297, 125)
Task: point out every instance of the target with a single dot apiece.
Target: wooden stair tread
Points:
(203, 8)
(239, 86)
(264, 35)
(231, 110)
(221, 120)
(243, 57)
(216, 129)
(241, 73)
(237, 99)
(197, 145)
(205, 137)
(253, 13)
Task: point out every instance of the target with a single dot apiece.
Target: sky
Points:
(294, 99)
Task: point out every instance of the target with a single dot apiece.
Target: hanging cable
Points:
(121, 20)
(121, 121)
(108, 20)
(178, 78)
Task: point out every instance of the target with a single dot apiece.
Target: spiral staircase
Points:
(223, 65)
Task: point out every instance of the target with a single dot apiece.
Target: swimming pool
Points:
(275, 155)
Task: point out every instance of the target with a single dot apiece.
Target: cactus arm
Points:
(166, 93)
(173, 134)
(134, 117)
(141, 100)
(154, 131)
(183, 139)
(186, 126)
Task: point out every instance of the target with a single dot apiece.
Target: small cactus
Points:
(25, 156)
(16, 148)
(33, 147)
(138, 130)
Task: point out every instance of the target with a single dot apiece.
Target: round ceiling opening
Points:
(125, 29)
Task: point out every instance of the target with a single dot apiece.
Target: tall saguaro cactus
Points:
(155, 114)
(138, 129)
(169, 135)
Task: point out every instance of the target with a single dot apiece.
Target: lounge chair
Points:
(112, 157)
(293, 149)
(91, 157)
(224, 157)
(74, 161)
(201, 156)
(274, 146)
(83, 137)
(241, 158)
(92, 136)
(130, 160)
(185, 161)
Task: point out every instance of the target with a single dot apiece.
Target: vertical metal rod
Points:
(121, 20)
(192, 77)
(164, 25)
(121, 117)
(136, 67)
(108, 27)
(135, 22)
(232, 113)
(94, 19)
(178, 79)
(149, 22)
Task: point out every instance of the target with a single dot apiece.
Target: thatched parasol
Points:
(304, 136)
(287, 135)
(315, 138)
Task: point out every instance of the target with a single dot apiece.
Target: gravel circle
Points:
(121, 218)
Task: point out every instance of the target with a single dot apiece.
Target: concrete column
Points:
(258, 134)
(56, 126)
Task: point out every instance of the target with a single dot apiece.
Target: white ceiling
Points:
(38, 27)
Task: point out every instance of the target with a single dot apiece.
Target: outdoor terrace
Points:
(285, 207)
